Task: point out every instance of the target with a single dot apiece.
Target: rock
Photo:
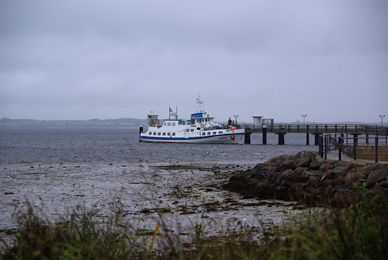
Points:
(315, 165)
(310, 173)
(286, 183)
(275, 161)
(286, 165)
(376, 177)
(384, 184)
(325, 183)
(305, 154)
(337, 182)
(304, 162)
(328, 175)
(312, 182)
(300, 170)
(290, 158)
(340, 171)
(377, 190)
(294, 176)
(260, 168)
(343, 198)
(281, 189)
(352, 166)
(354, 177)
(258, 176)
(324, 167)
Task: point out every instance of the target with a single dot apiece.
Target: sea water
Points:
(121, 145)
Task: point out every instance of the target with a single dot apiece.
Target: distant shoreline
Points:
(98, 123)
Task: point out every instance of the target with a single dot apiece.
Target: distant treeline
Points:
(121, 122)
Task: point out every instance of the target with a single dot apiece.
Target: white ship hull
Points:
(235, 137)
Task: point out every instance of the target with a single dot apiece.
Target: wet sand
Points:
(183, 195)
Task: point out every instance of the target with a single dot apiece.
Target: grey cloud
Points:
(90, 59)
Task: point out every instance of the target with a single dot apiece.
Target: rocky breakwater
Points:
(308, 178)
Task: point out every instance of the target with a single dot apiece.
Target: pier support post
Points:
(376, 149)
(355, 143)
(281, 138)
(264, 131)
(247, 139)
(355, 138)
(317, 138)
(140, 129)
(307, 135)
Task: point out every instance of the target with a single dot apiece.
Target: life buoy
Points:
(159, 126)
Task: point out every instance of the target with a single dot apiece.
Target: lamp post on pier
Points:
(304, 118)
(382, 119)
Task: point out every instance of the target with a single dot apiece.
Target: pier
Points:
(312, 129)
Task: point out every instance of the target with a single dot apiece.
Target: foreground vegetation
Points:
(356, 232)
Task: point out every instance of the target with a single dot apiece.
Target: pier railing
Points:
(373, 148)
(314, 129)
(317, 128)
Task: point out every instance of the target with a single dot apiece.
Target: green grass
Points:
(356, 232)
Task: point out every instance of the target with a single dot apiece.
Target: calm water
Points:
(112, 145)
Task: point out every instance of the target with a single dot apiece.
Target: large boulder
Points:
(286, 165)
(340, 171)
(324, 167)
(376, 177)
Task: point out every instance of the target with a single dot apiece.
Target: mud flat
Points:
(183, 195)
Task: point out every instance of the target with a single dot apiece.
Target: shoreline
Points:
(191, 193)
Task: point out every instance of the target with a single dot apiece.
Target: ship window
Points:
(154, 133)
(164, 134)
(220, 132)
(214, 133)
(208, 133)
(159, 133)
(173, 124)
(203, 133)
(173, 134)
(168, 124)
(192, 130)
(168, 134)
(149, 133)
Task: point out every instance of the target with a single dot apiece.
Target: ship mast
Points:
(199, 103)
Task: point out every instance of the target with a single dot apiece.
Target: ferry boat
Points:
(201, 128)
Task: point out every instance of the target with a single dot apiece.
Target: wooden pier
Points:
(317, 130)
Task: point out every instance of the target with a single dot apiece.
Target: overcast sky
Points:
(117, 59)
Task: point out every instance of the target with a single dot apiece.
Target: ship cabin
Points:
(201, 118)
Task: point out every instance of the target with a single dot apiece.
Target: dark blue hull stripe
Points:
(185, 138)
